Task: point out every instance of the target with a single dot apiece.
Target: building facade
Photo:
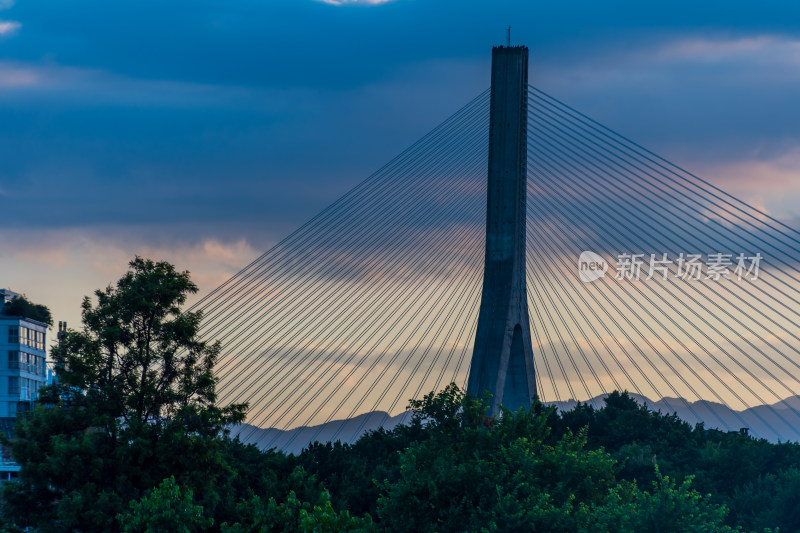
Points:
(23, 371)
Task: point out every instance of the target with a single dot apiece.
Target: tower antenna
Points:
(508, 36)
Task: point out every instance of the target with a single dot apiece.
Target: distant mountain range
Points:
(776, 422)
(294, 440)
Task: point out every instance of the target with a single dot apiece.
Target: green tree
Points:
(771, 500)
(295, 516)
(135, 403)
(168, 507)
(476, 474)
(509, 474)
(21, 306)
(667, 508)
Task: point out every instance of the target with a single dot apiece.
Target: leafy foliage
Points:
(133, 405)
(21, 306)
(509, 477)
(770, 500)
(168, 507)
(668, 508)
(296, 516)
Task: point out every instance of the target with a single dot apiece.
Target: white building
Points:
(22, 371)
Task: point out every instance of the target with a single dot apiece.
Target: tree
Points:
(508, 474)
(135, 403)
(21, 306)
(168, 507)
(295, 516)
(667, 508)
(476, 474)
(770, 500)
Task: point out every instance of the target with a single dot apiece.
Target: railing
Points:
(24, 393)
(33, 368)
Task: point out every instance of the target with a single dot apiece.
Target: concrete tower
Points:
(502, 359)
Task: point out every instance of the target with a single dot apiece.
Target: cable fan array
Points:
(374, 301)
(723, 351)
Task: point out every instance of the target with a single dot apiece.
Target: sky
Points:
(203, 132)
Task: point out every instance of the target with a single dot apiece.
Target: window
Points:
(13, 334)
(13, 385)
(28, 389)
(13, 360)
(27, 336)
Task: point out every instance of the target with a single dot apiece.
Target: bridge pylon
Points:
(502, 359)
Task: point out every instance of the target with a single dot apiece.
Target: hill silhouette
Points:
(764, 421)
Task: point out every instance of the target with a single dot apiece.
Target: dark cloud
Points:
(242, 119)
(291, 42)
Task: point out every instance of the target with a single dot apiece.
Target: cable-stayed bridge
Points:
(688, 296)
